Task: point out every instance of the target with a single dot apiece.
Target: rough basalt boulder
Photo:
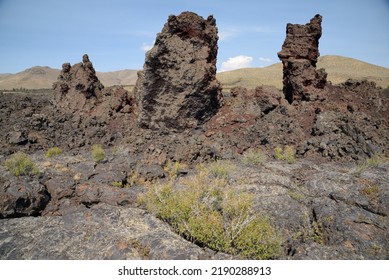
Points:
(299, 55)
(177, 88)
(21, 197)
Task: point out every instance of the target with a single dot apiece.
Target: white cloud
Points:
(240, 61)
(225, 34)
(265, 59)
(146, 47)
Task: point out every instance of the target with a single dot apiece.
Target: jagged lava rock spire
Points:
(77, 86)
(177, 88)
(299, 55)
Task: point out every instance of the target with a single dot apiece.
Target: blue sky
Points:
(116, 33)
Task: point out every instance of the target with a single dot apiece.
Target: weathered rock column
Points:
(177, 88)
(77, 87)
(299, 55)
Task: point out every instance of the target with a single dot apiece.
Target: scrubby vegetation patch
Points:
(21, 164)
(204, 209)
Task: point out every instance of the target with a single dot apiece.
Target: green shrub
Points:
(278, 153)
(288, 154)
(254, 157)
(374, 161)
(174, 168)
(206, 212)
(221, 169)
(118, 184)
(21, 164)
(52, 152)
(98, 153)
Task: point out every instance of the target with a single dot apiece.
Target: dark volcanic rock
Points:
(177, 88)
(299, 56)
(86, 112)
(87, 210)
(22, 197)
(77, 86)
(101, 232)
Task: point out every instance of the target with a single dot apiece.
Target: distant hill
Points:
(43, 77)
(31, 78)
(121, 77)
(339, 69)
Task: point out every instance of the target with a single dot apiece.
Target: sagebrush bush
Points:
(52, 152)
(278, 153)
(21, 164)
(207, 212)
(288, 154)
(254, 157)
(98, 153)
(174, 168)
(221, 169)
(374, 161)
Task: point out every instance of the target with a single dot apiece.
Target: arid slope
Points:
(339, 69)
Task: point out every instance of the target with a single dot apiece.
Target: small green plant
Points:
(299, 196)
(255, 157)
(134, 179)
(318, 232)
(143, 251)
(98, 153)
(288, 154)
(314, 230)
(118, 184)
(174, 168)
(21, 164)
(207, 213)
(371, 190)
(374, 161)
(53, 152)
(278, 153)
(221, 169)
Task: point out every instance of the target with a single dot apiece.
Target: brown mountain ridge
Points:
(339, 69)
(39, 77)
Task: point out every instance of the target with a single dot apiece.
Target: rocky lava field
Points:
(327, 197)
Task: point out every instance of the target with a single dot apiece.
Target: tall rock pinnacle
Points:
(177, 88)
(299, 55)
